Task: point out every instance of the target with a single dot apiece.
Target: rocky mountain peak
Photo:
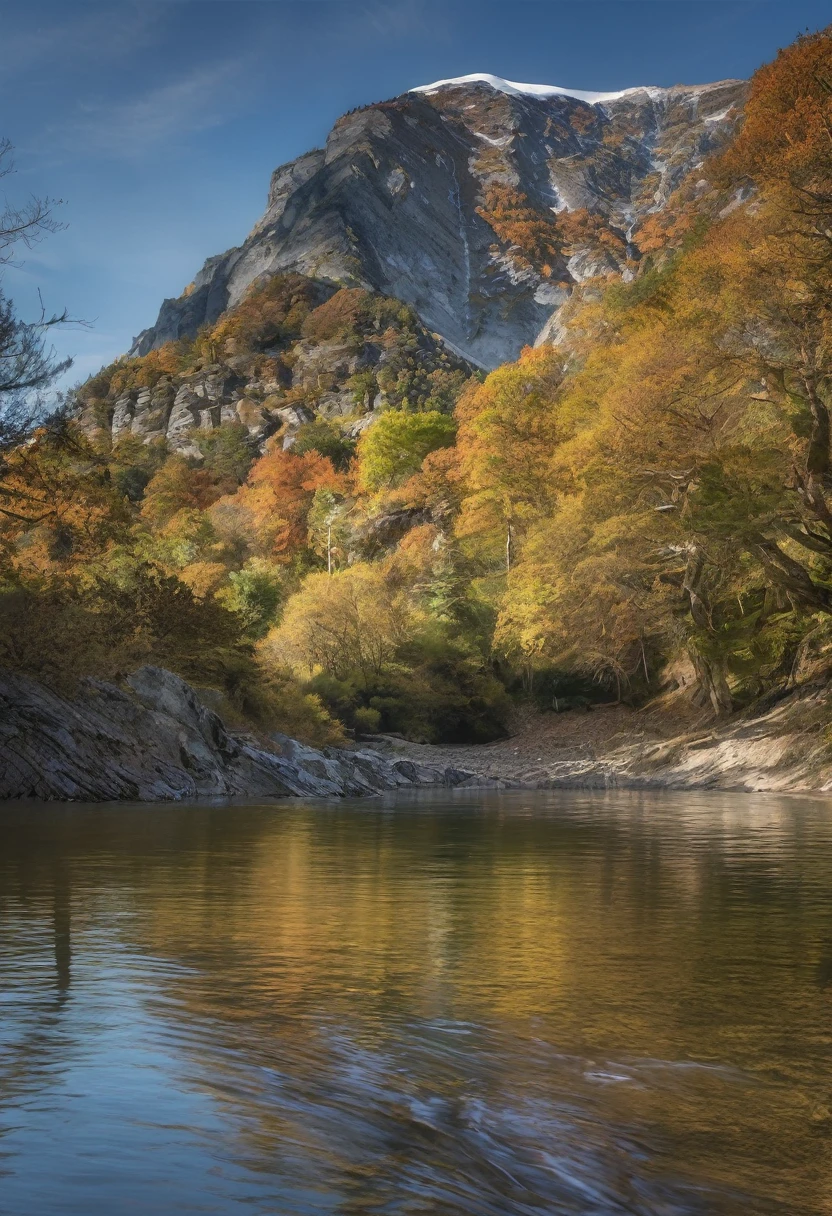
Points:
(479, 201)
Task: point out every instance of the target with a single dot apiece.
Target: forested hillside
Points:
(318, 509)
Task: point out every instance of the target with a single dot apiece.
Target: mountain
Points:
(478, 201)
(316, 507)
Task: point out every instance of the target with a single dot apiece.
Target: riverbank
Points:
(783, 744)
(154, 740)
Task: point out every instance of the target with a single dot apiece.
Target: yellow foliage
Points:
(352, 620)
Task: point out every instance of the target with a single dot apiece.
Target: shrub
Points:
(325, 438)
(367, 720)
(229, 452)
(254, 594)
(344, 313)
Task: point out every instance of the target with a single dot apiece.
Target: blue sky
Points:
(160, 123)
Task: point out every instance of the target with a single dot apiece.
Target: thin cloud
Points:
(399, 20)
(79, 36)
(204, 98)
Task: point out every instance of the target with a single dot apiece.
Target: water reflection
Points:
(501, 1004)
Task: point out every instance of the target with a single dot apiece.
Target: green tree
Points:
(229, 453)
(254, 594)
(327, 439)
(393, 448)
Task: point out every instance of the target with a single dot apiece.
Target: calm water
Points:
(512, 1003)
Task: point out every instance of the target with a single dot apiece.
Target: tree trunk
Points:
(712, 682)
(791, 576)
(710, 671)
(817, 457)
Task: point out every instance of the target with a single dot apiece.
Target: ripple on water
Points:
(456, 1003)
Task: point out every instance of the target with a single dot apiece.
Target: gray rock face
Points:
(319, 383)
(157, 742)
(393, 202)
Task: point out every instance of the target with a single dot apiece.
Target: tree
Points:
(327, 439)
(351, 621)
(58, 506)
(394, 447)
(278, 495)
(254, 593)
(329, 529)
(531, 232)
(177, 486)
(508, 431)
(229, 453)
(27, 363)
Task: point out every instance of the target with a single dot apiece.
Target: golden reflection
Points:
(664, 973)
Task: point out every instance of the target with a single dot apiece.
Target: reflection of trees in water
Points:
(35, 919)
(323, 948)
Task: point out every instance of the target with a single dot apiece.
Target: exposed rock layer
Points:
(155, 741)
(782, 745)
(311, 378)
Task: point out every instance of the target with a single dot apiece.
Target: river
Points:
(461, 1002)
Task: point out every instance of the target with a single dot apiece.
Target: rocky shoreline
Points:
(154, 741)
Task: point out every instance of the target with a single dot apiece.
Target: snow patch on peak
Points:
(513, 88)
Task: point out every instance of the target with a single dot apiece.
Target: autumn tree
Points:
(180, 484)
(58, 506)
(508, 431)
(351, 621)
(278, 496)
(329, 526)
(28, 364)
(531, 232)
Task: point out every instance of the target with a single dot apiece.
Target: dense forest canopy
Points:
(381, 538)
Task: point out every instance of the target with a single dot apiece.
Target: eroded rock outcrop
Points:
(155, 741)
(369, 354)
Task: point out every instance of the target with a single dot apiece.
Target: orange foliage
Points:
(666, 229)
(270, 314)
(583, 119)
(418, 553)
(178, 486)
(342, 312)
(438, 484)
(278, 495)
(57, 505)
(518, 222)
(786, 139)
(581, 228)
(147, 371)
